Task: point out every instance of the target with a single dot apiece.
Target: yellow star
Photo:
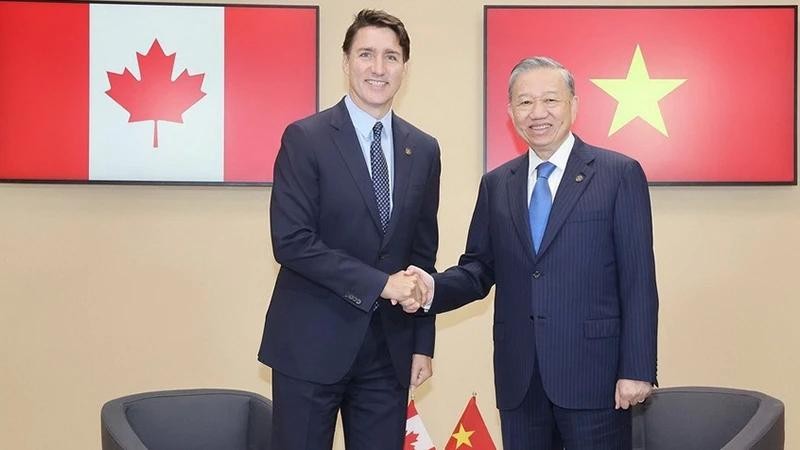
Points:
(462, 437)
(638, 95)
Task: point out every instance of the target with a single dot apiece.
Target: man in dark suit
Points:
(354, 199)
(565, 234)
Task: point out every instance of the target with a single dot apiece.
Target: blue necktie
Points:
(380, 176)
(541, 201)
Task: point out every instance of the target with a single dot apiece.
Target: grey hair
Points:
(540, 62)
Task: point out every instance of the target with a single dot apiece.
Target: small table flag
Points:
(417, 437)
(470, 431)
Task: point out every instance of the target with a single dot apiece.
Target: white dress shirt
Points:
(559, 159)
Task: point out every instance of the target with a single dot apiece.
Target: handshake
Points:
(411, 288)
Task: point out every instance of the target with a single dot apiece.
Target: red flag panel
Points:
(731, 121)
(270, 81)
(43, 132)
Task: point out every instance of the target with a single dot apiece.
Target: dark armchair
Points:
(705, 418)
(199, 419)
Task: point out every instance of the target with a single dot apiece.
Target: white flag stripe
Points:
(424, 442)
(191, 151)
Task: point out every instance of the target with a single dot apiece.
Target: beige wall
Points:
(109, 290)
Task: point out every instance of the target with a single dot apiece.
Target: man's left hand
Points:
(631, 392)
(421, 369)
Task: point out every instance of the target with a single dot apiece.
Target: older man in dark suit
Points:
(354, 202)
(565, 233)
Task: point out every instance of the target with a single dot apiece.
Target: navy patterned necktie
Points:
(541, 202)
(380, 175)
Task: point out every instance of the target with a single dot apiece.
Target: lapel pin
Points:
(408, 151)
(579, 178)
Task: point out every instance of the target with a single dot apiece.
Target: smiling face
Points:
(375, 69)
(542, 109)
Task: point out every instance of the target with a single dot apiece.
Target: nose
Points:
(378, 66)
(539, 110)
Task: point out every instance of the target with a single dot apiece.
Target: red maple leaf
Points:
(411, 438)
(155, 97)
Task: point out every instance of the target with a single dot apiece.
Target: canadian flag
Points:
(163, 93)
(417, 437)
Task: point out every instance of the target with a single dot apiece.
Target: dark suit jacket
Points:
(334, 259)
(586, 305)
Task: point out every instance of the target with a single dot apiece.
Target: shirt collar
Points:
(559, 158)
(363, 122)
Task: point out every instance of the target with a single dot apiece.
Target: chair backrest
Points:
(212, 419)
(699, 418)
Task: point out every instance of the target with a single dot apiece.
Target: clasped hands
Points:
(409, 288)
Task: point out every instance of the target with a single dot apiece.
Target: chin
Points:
(540, 143)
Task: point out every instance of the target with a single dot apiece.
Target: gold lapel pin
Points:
(579, 178)
(408, 151)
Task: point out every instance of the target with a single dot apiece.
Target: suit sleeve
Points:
(473, 277)
(633, 238)
(423, 253)
(294, 218)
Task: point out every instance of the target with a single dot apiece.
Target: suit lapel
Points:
(577, 176)
(403, 163)
(518, 202)
(344, 135)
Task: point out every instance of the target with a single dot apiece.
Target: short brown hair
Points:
(379, 19)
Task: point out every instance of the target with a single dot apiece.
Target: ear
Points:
(574, 102)
(345, 65)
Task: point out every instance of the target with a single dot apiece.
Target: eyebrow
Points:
(373, 50)
(530, 95)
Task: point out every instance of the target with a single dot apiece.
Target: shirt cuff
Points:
(431, 287)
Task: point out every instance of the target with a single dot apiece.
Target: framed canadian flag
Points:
(151, 93)
(698, 95)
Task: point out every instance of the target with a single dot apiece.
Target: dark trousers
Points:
(371, 400)
(539, 424)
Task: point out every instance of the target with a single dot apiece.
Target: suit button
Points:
(382, 257)
(537, 274)
(357, 301)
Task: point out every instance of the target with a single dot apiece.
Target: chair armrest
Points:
(116, 432)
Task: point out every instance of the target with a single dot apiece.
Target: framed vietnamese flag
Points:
(698, 95)
(151, 92)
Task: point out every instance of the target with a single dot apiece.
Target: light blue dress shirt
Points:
(363, 123)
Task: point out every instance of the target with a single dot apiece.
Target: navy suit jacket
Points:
(586, 305)
(334, 258)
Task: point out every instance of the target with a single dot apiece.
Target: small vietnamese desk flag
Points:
(151, 92)
(471, 431)
(695, 94)
(417, 437)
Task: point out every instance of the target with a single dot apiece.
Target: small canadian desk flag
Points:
(417, 437)
(470, 432)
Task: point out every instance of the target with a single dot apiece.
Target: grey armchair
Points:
(198, 419)
(706, 418)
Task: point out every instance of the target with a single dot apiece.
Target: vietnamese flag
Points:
(697, 95)
(153, 93)
(470, 431)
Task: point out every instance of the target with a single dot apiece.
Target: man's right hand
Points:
(427, 280)
(407, 290)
